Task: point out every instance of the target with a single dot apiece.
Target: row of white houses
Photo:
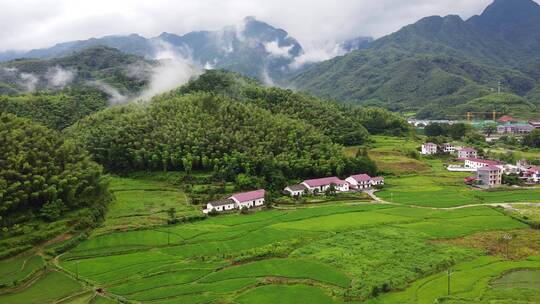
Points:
(321, 185)
(237, 201)
(461, 152)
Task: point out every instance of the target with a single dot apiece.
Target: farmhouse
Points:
(322, 184)
(532, 175)
(466, 152)
(221, 205)
(475, 163)
(489, 176)
(535, 123)
(377, 181)
(429, 148)
(449, 148)
(359, 181)
(295, 190)
(237, 201)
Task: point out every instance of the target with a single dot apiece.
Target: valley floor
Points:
(397, 250)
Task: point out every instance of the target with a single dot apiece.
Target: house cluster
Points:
(489, 172)
(461, 152)
(237, 201)
(357, 182)
(508, 125)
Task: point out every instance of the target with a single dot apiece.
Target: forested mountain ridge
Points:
(438, 61)
(97, 66)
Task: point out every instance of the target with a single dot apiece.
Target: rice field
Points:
(330, 253)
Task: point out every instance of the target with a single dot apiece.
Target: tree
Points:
(532, 139)
(171, 213)
(331, 190)
(490, 129)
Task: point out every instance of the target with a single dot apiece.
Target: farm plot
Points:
(51, 287)
(142, 203)
(321, 254)
(20, 268)
(469, 283)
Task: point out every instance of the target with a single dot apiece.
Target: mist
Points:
(173, 70)
(58, 78)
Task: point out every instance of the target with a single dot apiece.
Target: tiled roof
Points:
(249, 196)
(324, 181)
(489, 168)
(298, 187)
(378, 179)
(361, 177)
(467, 149)
(222, 202)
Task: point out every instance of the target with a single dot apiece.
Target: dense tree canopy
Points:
(210, 132)
(41, 174)
(56, 111)
(344, 124)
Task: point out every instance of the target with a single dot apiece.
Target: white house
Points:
(322, 184)
(220, 205)
(475, 163)
(449, 148)
(466, 152)
(532, 176)
(429, 148)
(249, 199)
(237, 201)
(296, 190)
(377, 181)
(359, 181)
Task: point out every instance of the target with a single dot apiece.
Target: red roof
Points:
(324, 181)
(248, 196)
(484, 161)
(534, 169)
(467, 149)
(507, 118)
(361, 177)
(470, 179)
(378, 179)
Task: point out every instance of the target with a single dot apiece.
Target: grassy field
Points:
(144, 202)
(335, 252)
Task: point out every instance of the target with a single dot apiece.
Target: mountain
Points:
(108, 68)
(255, 48)
(438, 62)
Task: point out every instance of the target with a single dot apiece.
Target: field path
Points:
(371, 193)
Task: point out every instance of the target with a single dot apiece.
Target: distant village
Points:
(488, 172)
(320, 186)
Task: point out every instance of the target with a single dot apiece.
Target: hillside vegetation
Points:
(44, 177)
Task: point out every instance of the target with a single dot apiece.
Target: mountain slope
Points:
(96, 66)
(438, 61)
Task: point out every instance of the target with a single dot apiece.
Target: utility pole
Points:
(168, 237)
(77, 270)
(507, 238)
(499, 87)
(449, 274)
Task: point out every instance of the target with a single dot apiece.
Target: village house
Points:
(449, 148)
(466, 152)
(320, 185)
(429, 148)
(489, 176)
(535, 123)
(237, 201)
(515, 129)
(377, 181)
(532, 175)
(296, 190)
(475, 163)
(359, 181)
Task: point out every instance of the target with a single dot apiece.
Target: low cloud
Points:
(172, 71)
(57, 77)
(28, 82)
(275, 50)
(115, 97)
(317, 54)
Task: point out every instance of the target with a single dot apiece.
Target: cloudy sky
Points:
(29, 24)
